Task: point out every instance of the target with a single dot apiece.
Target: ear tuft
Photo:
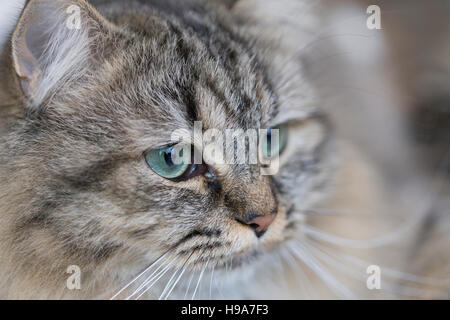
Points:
(52, 43)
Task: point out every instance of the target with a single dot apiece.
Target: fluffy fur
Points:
(75, 189)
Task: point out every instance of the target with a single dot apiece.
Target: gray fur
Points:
(72, 157)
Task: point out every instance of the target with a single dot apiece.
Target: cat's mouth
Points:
(235, 248)
(248, 257)
(234, 261)
(242, 258)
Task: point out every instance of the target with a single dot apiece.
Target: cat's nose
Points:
(259, 223)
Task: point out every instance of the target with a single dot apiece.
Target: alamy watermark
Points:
(229, 146)
(374, 20)
(374, 279)
(73, 282)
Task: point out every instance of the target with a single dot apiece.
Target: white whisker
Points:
(178, 279)
(199, 279)
(392, 289)
(395, 235)
(389, 272)
(175, 283)
(300, 251)
(293, 263)
(151, 280)
(138, 276)
(189, 286)
(161, 274)
(169, 283)
(211, 280)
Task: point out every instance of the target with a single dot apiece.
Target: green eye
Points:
(166, 162)
(270, 150)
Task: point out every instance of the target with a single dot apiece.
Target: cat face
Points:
(79, 152)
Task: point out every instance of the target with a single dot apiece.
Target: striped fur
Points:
(75, 189)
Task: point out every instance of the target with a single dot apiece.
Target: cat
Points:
(87, 103)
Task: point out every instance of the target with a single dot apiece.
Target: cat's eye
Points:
(168, 162)
(175, 163)
(268, 148)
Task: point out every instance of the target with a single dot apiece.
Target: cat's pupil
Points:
(168, 152)
(168, 156)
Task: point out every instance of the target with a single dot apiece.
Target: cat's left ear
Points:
(53, 43)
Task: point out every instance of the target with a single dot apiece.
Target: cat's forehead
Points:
(187, 82)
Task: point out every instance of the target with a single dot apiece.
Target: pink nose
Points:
(259, 223)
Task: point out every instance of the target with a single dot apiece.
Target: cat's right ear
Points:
(52, 44)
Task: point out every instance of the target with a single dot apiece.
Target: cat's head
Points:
(89, 179)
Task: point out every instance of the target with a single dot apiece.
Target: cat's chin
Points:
(265, 248)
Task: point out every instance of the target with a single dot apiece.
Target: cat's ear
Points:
(52, 43)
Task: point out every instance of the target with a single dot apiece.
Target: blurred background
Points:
(388, 92)
(412, 53)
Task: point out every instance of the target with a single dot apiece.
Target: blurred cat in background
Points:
(86, 118)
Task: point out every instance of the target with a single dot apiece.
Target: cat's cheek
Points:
(196, 184)
(305, 137)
